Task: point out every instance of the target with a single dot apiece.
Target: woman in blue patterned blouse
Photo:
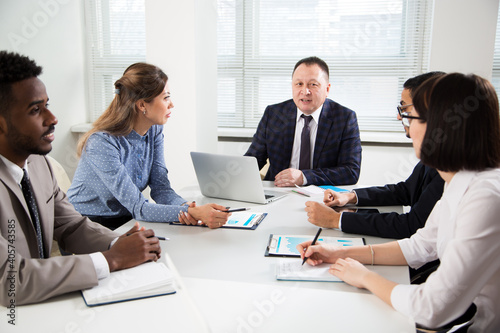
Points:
(123, 153)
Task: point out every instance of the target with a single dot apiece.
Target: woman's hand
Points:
(212, 215)
(186, 218)
(350, 271)
(319, 253)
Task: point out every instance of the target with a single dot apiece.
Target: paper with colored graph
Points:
(286, 245)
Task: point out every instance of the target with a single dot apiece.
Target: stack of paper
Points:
(291, 269)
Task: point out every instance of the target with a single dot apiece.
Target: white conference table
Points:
(226, 284)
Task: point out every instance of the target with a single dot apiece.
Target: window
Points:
(495, 79)
(371, 47)
(116, 38)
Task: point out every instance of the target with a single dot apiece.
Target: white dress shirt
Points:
(313, 126)
(100, 263)
(463, 231)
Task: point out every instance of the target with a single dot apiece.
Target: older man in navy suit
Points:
(309, 139)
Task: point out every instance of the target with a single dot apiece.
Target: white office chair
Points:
(64, 184)
(61, 175)
(264, 169)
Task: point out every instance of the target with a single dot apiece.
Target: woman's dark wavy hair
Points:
(463, 123)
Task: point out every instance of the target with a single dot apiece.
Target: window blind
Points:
(371, 47)
(116, 38)
(495, 79)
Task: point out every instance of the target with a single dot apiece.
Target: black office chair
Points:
(459, 325)
(418, 276)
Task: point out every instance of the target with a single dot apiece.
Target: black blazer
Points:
(421, 191)
(337, 151)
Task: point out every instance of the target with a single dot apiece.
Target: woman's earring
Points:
(144, 112)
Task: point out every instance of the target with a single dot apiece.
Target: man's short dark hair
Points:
(463, 123)
(314, 61)
(413, 83)
(14, 68)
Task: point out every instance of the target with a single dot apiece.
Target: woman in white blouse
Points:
(455, 128)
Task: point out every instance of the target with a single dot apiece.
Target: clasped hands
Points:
(322, 215)
(135, 247)
(211, 215)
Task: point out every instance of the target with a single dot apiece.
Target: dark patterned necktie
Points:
(33, 208)
(305, 144)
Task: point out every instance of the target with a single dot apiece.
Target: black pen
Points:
(159, 237)
(235, 210)
(313, 242)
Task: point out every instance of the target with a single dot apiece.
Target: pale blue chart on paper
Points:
(287, 245)
(246, 222)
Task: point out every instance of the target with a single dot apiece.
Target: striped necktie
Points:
(33, 208)
(305, 144)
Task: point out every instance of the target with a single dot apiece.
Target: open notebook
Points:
(147, 280)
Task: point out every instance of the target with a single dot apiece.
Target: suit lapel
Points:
(290, 121)
(24, 222)
(11, 184)
(325, 123)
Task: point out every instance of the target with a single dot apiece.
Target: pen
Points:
(159, 237)
(236, 210)
(313, 242)
(298, 192)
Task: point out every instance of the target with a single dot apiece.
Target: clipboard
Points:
(285, 245)
(238, 220)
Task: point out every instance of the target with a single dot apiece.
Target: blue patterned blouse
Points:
(114, 170)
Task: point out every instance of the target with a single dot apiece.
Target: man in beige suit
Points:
(27, 274)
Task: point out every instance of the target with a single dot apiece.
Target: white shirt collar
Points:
(315, 114)
(14, 170)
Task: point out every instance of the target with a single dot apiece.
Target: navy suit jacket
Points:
(421, 191)
(337, 151)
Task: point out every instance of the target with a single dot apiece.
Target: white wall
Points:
(51, 33)
(463, 36)
(181, 39)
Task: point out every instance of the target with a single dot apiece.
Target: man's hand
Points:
(339, 199)
(133, 248)
(288, 177)
(321, 215)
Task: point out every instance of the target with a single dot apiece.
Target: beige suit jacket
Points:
(25, 279)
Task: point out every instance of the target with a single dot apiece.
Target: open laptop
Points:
(231, 177)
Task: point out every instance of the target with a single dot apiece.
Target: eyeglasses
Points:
(405, 116)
